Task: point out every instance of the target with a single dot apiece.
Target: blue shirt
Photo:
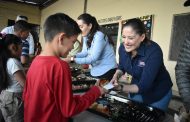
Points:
(147, 70)
(25, 48)
(100, 55)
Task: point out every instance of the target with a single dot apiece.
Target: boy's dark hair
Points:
(58, 23)
(21, 25)
(4, 56)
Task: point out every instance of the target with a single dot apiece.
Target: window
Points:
(180, 29)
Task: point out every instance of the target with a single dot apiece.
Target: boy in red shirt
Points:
(48, 93)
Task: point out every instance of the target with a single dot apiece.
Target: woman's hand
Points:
(69, 59)
(116, 77)
(100, 86)
(114, 80)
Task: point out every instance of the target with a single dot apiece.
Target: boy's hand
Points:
(102, 90)
(97, 83)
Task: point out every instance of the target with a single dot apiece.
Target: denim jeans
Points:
(161, 104)
(12, 106)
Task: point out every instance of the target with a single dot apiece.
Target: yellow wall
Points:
(9, 10)
(70, 7)
(163, 11)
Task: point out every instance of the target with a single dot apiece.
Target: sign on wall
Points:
(148, 22)
(112, 31)
(110, 19)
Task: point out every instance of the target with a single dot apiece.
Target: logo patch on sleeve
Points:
(141, 63)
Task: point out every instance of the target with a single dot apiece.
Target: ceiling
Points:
(187, 3)
(39, 3)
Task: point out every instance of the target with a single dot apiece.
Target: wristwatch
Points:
(72, 59)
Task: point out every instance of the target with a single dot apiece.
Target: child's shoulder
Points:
(60, 62)
(13, 61)
(61, 65)
(50, 61)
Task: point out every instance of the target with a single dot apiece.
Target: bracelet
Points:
(121, 87)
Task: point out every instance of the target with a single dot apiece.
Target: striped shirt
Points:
(25, 48)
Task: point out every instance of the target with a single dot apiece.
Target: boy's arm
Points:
(5, 30)
(15, 68)
(25, 52)
(67, 103)
(24, 59)
(30, 40)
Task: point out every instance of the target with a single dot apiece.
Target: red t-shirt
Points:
(48, 93)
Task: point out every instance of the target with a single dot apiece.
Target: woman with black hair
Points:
(97, 48)
(12, 79)
(142, 60)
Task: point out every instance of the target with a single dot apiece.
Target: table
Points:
(87, 116)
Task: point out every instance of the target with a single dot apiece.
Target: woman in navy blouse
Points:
(142, 60)
(97, 49)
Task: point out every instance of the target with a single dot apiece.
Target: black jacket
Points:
(182, 71)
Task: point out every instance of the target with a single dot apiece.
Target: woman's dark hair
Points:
(5, 41)
(58, 23)
(138, 27)
(88, 19)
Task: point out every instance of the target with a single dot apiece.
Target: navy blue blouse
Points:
(147, 70)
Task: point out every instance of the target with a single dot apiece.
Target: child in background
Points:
(48, 93)
(12, 79)
(22, 29)
(30, 38)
